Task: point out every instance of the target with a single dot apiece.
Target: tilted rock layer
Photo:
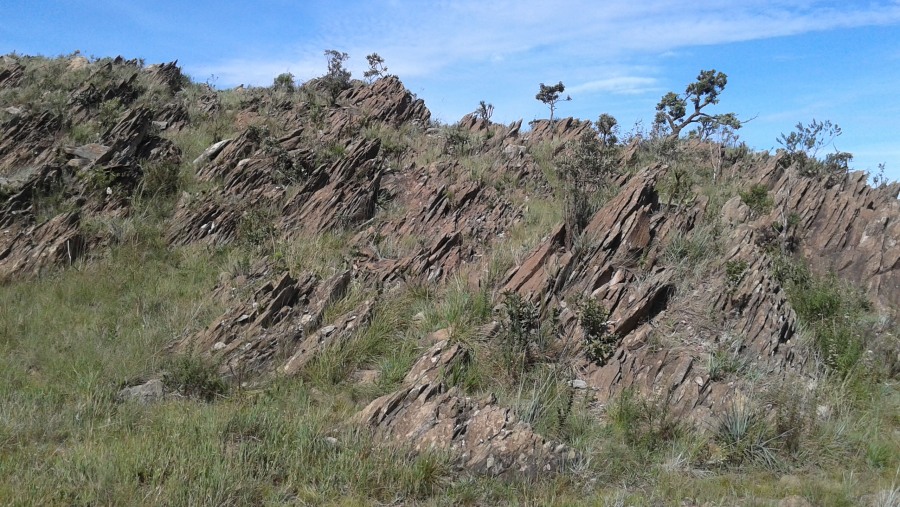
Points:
(420, 203)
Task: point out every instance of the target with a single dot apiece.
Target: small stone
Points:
(218, 346)
(578, 384)
(331, 440)
(148, 392)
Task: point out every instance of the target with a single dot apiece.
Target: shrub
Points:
(599, 343)
(285, 82)
(803, 145)
(521, 324)
(192, 376)
(832, 310)
(256, 227)
(484, 111)
(745, 436)
(586, 168)
(159, 180)
(338, 78)
(758, 199)
(734, 271)
(722, 363)
(376, 67)
(644, 423)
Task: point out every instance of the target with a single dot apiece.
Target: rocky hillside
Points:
(693, 283)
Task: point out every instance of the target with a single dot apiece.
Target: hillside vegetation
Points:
(316, 294)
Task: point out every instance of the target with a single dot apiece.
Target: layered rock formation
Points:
(419, 203)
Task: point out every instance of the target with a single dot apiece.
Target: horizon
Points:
(787, 62)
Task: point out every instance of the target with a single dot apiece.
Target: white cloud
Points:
(422, 40)
(623, 85)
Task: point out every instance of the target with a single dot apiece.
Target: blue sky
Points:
(787, 61)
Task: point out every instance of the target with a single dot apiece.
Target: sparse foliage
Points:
(484, 111)
(607, 128)
(376, 67)
(802, 147)
(284, 81)
(672, 113)
(758, 199)
(585, 169)
(550, 95)
(599, 342)
(338, 78)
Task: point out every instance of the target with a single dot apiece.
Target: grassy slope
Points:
(71, 339)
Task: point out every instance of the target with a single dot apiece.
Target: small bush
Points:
(802, 147)
(758, 199)
(734, 272)
(832, 310)
(723, 363)
(644, 423)
(521, 325)
(599, 343)
(256, 227)
(192, 376)
(285, 82)
(159, 180)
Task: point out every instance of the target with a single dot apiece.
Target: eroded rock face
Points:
(850, 228)
(483, 437)
(428, 211)
(278, 327)
(387, 100)
(28, 250)
(43, 204)
(622, 270)
(27, 141)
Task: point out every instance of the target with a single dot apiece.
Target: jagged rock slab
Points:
(279, 327)
(849, 228)
(482, 436)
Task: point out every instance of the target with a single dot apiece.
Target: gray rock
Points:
(211, 152)
(148, 392)
(93, 152)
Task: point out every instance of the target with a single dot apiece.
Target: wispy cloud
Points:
(423, 41)
(622, 85)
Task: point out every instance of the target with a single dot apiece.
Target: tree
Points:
(338, 78)
(550, 95)
(484, 111)
(607, 126)
(284, 81)
(376, 67)
(672, 110)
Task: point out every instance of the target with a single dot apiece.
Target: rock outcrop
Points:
(483, 437)
(420, 203)
(279, 327)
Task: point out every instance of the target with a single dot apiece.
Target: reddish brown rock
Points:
(279, 327)
(483, 437)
